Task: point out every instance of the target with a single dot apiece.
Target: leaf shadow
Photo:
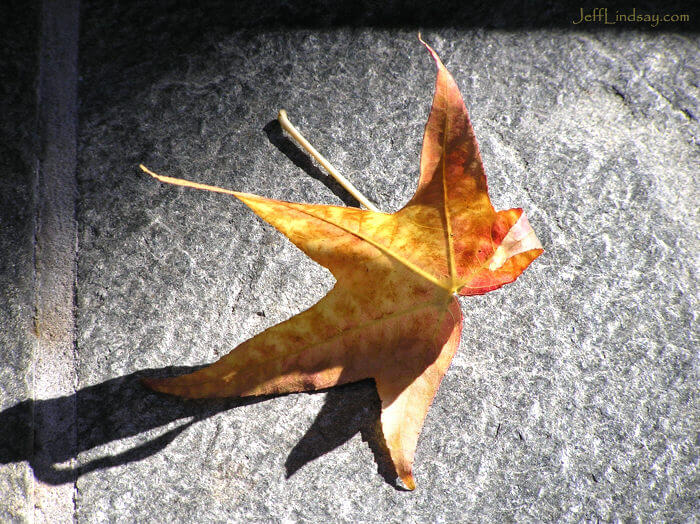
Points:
(348, 409)
(301, 159)
(122, 408)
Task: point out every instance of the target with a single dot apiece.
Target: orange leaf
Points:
(392, 314)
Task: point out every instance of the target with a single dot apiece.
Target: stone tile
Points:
(18, 55)
(573, 394)
(571, 397)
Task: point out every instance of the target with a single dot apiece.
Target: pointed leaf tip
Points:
(432, 52)
(409, 481)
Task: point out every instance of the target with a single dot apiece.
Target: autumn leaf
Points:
(392, 314)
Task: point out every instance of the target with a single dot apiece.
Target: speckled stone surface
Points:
(574, 393)
(16, 339)
(18, 56)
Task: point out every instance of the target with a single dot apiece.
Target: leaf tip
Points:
(431, 51)
(409, 481)
(149, 172)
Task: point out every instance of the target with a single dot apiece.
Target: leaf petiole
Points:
(296, 135)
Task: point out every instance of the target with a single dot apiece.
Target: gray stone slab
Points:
(574, 392)
(18, 59)
(37, 259)
(16, 340)
(55, 250)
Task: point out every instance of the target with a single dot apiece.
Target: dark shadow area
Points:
(19, 56)
(126, 46)
(388, 14)
(19, 53)
(301, 159)
(350, 409)
(122, 407)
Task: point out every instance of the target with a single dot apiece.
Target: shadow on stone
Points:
(349, 409)
(302, 160)
(122, 407)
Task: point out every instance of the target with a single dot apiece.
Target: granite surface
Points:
(16, 341)
(18, 59)
(574, 393)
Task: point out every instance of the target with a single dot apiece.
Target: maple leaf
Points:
(392, 314)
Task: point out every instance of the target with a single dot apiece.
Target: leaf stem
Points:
(296, 135)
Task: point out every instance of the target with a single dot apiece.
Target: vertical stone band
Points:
(55, 249)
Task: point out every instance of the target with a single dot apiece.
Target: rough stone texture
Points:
(18, 59)
(16, 334)
(574, 393)
(37, 256)
(55, 253)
